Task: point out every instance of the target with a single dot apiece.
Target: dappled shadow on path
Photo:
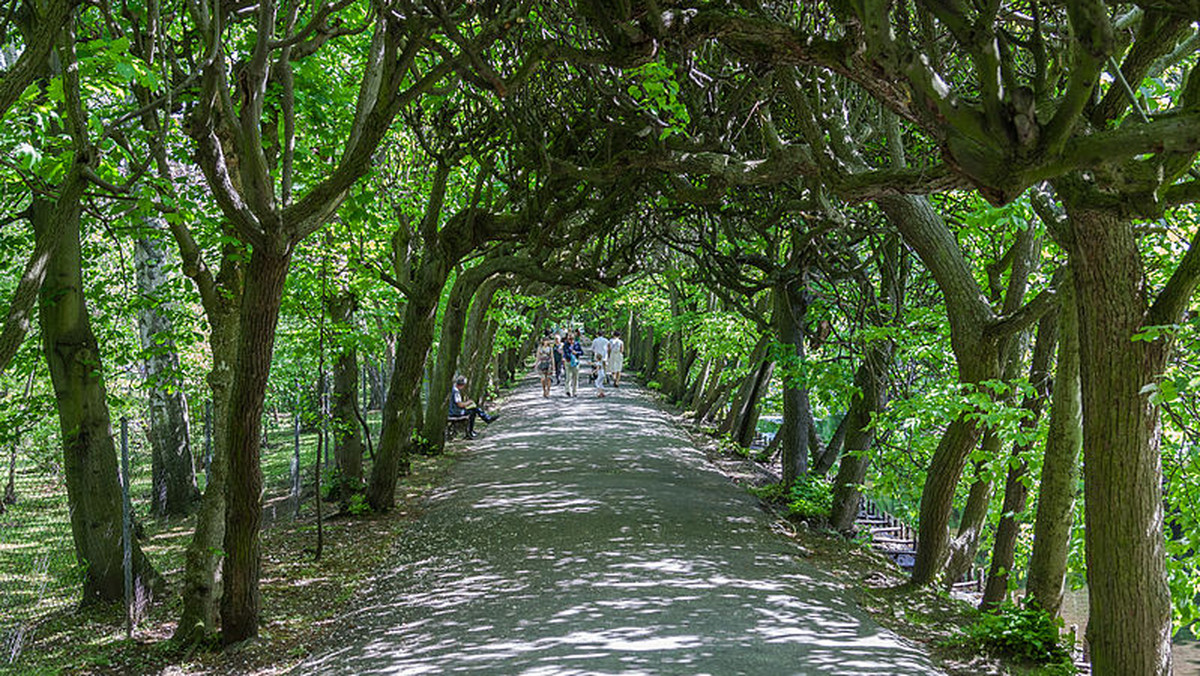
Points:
(586, 536)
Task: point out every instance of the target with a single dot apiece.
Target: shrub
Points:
(422, 446)
(810, 497)
(1024, 632)
(358, 505)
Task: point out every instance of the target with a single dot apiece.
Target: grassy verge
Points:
(301, 596)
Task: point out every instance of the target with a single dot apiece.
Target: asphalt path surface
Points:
(589, 536)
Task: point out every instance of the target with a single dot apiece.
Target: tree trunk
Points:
(90, 457)
(747, 422)
(480, 372)
(347, 433)
(937, 498)
(871, 382)
(1015, 491)
(470, 284)
(745, 389)
(788, 317)
(1060, 466)
(1130, 622)
(174, 490)
(202, 582)
(416, 338)
(965, 544)
(266, 273)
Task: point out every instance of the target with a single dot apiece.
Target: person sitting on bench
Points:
(460, 405)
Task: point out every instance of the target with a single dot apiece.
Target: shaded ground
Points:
(589, 536)
(301, 597)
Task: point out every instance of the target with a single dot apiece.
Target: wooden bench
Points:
(453, 422)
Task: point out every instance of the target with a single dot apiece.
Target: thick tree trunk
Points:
(477, 345)
(937, 498)
(344, 416)
(871, 382)
(400, 408)
(965, 544)
(90, 457)
(174, 491)
(266, 273)
(788, 317)
(1130, 621)
(1015, 491)
(468, 285)
(201, 576)
(1060, 466)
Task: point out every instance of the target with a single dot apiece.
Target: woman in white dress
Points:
(616, 358)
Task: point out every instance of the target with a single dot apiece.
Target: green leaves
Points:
(656, 89)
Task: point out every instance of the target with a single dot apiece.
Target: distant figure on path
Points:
(572, 354)
(461, 405)
(600, 349)
(616, 357)
(545, 362)
(558, 358)
(598, 369)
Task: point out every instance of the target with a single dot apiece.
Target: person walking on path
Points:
(616, 357)
(558, 358)
(461, 405)
(599, 371)
(544, 365)
(600, 350)
(572, 354)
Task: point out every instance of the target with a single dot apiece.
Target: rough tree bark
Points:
(263, 293)
(174, 491)
(347, 433)
(90, 457)
(1015, 491)
(1060, 466)
(1130, 627)
(788, 317)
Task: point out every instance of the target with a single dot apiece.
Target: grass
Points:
(40, 580)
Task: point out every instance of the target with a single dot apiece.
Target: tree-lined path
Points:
(589, 536)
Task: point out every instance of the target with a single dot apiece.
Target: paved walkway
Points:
(588, 536)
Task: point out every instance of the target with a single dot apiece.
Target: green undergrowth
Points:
(300, 596)
(1025, 633)
(808, 499)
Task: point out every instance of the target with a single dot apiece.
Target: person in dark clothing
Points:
(461, 405)
(558, 359)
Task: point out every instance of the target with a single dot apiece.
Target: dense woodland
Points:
(952, 246)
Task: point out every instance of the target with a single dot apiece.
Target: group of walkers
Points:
(560, 355)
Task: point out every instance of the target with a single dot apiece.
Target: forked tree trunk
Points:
(265, 275)
(744, 390)
(965, 544)
(743, 429)
(174, 491)
(89, 455)
(1129, 630)
(1060, 466)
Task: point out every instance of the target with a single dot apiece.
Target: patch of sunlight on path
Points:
(588, 536)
